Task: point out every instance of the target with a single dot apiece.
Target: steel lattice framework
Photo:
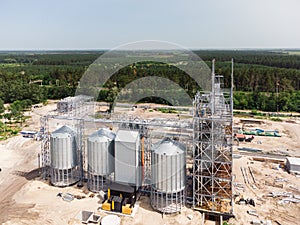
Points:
(45, 145)
(212, 149)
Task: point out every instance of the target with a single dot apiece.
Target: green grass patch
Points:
(8, 131)
(166, 110)
(276, 119)
(10, 64)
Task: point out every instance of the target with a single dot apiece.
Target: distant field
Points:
(294, 53)
(10, 64)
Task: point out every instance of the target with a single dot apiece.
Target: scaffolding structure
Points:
(212, 149)
(80, 149)
(45, 145)
(77, 106)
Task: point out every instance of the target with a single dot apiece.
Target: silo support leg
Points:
(203, 219)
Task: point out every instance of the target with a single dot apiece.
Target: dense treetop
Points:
(258, 76)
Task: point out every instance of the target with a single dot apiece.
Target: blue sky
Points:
(105, 24)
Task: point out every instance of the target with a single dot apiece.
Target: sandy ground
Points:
(150, 112)
(26, 199)
(267, 208)
(287, 144)
(18, 156)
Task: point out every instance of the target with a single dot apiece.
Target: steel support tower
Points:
(45, 146)
(80, 147)
(212, 149)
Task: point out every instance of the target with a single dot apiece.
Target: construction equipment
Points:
(240, 137)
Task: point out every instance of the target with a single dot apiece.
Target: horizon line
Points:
(108, 49)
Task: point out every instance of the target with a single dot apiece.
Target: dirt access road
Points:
(18, 162)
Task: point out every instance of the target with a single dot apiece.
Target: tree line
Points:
(263, 80)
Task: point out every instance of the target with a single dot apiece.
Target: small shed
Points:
(293, 164)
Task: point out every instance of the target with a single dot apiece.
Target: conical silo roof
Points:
(102, 135)
(168, 147)
(64, 129)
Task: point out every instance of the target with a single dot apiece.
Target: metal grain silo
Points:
(63, 151)
(168, 169)
(128, 158)
(100, 155)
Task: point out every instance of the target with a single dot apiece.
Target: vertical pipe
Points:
(231, 124)
(221, 220)
(231, 90)
(80, 150)
(203, 219)
(212, 132)
(213, 87)
(39, 163)
(108, 193)
(277, 90)
(142, 159)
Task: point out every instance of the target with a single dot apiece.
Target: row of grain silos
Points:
(121, 155)
(64, 170)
